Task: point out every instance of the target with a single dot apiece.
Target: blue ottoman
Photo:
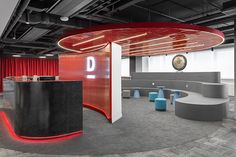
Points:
(160, 104)
(152, 96)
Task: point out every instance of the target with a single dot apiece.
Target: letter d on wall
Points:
(90, 63)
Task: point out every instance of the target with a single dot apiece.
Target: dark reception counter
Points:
(44, 109)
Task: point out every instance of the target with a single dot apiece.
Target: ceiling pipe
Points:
(218, 21)
(29, 46)
(36, 9)
(101, 5)
(50, 19)
(206, 18)
(226, 12)
(47, 50)
(124, 6)
(225, 28)
(84, 8)
(19, 13)
(12, 41)
(106, 6)
(160, 13)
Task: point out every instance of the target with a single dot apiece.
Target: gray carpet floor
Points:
(140, 129)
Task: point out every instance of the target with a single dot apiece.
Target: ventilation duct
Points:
(34, 34)
(229, 8)
(69, 7)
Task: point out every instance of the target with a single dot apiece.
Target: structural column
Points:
(234, 67)
(135, 64)
(132, 64)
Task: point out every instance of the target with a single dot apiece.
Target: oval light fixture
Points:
(64, 18)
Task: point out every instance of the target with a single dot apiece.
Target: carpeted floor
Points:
(140, 129)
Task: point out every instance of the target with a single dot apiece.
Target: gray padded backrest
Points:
(213, 77)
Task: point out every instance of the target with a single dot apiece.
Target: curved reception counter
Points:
(44, 109)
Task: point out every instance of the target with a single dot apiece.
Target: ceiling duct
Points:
(7, 8)
(69, 7)
(34, 34)
(229, 7)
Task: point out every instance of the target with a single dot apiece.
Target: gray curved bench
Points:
(195, 106)
(201, 101)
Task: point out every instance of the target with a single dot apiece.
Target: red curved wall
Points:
(96, 83)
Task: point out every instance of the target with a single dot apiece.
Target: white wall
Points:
(116, 82)
(220, 59)
(125, 67)
(145, 61)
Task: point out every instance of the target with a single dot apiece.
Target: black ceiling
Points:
(36, 25)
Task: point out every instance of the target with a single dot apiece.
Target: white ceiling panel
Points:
(6, 9)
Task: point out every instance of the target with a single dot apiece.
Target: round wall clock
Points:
(179, 62)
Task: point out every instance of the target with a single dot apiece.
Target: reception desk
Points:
(44, 109)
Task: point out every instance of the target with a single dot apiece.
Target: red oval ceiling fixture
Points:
(143, 39)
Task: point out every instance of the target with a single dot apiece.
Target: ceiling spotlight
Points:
(64, 18)
(42, 56)
(27, 17)
(16, 55)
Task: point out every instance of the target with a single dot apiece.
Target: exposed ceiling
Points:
(33, 27)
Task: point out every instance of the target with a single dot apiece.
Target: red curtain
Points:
(10, 66)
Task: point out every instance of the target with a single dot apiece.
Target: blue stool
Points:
(160, 104)
(136, 93)
(176, 95)
(161, 92)
(152, 96)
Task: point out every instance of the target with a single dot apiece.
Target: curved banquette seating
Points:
(203, 101)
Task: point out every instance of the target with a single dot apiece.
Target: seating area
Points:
(194, 100)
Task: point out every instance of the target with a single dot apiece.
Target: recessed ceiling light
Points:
(95, 46)
(49, 55)
(64, 18)
(146, 41)
(132, 37)
(42, 56)
(162, 48)
(86, 41)
(16, 55)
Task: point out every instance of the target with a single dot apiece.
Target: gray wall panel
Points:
(213, 77)
(212, 90)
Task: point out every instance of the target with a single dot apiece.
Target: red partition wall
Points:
(94, 70)
(10, 66)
